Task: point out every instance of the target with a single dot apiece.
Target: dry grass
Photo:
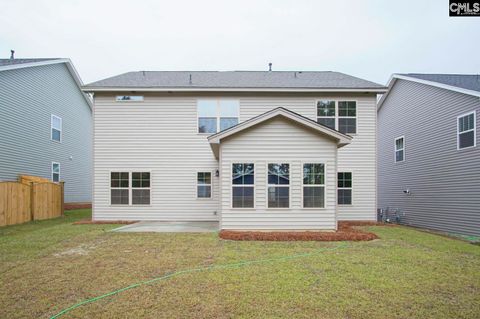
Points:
(47, 266)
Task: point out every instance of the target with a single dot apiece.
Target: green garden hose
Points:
(191, 270)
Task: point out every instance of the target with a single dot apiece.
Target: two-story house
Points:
(253, 150)
(45, 124)
(428, 154)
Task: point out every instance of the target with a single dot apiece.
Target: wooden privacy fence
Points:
(31, 198)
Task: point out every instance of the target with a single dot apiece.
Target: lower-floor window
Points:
(124, 185)
(243, 189)
(204, 185)
(313, 185)
(344, 188)
(278, 179)
(55, 172)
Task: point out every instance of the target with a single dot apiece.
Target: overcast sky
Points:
(369, 39)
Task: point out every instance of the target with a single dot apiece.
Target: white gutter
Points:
(187, 89)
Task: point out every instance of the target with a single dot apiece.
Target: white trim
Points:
(474, 130)
(130, 187)
(394, 77)
(324, 185)
(402, 149)
(342, 139)
(243, 185)
(53, 128)
(217, 113)
(200, 89)
(267, 185)
(59, 172)
(211, 184)
(350, 188)
(337, 115)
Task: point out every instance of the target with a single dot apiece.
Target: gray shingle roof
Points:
(4, 62)
(235, 79)
(464, 81)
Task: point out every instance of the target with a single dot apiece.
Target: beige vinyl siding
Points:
(278, 141)
(358, 157)
(160, 135)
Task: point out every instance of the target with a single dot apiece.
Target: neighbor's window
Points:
(56, 128)
(344, 187)
(347, 116)
(399, 149)
(314, 185)
(466, 130)
(55, 172)
(217, 115)
(140, 188)
(204, 185)
(326, 113)
(243, 179)
(119, 188)
(278, 185)
(129, 98)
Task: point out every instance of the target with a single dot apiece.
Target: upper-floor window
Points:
(55, 172)
(129, 98)
(217, 114)
(56, 128)
(338, 115)
(466, 130)
(278, 185)
(243, 188)
(400, 149)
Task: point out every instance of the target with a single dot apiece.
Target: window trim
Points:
(313, 185)
(395, 149)
(474, 112)
(59, 171)
(279, 185)
(243, 185)
(129, 101)
(211, 184)
(130, 199)
(337, 115)
(217, 113)
(350, 188)
(143, 188)
(52, 128)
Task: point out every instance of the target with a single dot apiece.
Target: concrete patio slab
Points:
(169, 227)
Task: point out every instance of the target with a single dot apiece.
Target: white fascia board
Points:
(181, 89)
(341, 138)
(394, 77)
(67, 62)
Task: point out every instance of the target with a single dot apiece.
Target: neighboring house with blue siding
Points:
(45, 124)
(428, 153)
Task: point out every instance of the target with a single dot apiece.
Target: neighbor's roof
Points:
(22, 61)
(234, 81)
(12, 64)
(216, 139)
(462, 83)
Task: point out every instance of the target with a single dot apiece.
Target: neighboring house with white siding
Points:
(46, 124)
(428, 154)
(253, 150)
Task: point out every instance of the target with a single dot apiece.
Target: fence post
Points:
(62, 195)
(32, 201)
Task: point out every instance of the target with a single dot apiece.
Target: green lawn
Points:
(50, 265)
